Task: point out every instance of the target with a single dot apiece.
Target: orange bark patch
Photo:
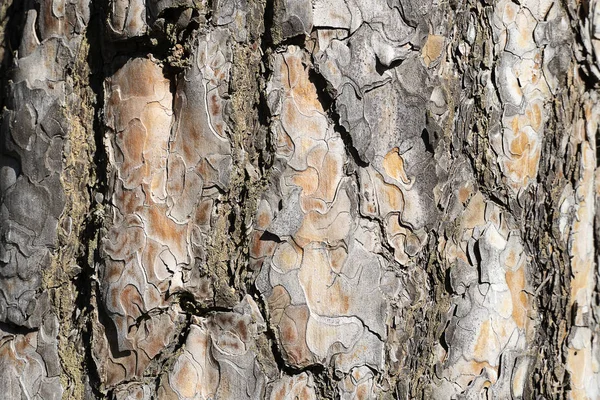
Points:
(139, 77)
(516, 284)
(393, 165)
(261, 248)
(278, 302)
(293, 334)
(510, 12)
(519, 144)
(433, 49)
(176, 174)
(298, 84)
(285, 145)
(485, 339)
(263, 216)
(203, 212)
(130, 299)
(577, 365)
(166, 231)
(475, 213)
(534, 113)
(185, 380)
(331, 169)
(308, 180)
(286, 257)
(215, 107)
(290, 114)
(132, 145)
(337, 258)
(389, 196)
(463, 194)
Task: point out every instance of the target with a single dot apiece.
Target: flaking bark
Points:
(299, 199)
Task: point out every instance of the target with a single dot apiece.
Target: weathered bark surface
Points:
(299, 199)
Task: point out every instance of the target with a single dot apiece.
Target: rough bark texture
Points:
(283, 199)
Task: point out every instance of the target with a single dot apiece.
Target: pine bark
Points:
(313, 199)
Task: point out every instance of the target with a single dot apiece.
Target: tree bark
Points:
(306, 199)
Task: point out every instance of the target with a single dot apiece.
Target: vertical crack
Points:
(86, 284)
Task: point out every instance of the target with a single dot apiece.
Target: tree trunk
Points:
(306, 199)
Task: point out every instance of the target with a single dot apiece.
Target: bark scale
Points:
(299, 199)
